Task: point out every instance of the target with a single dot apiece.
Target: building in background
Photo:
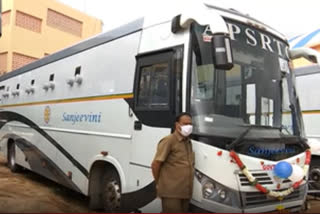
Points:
(0, 17)
(311, 40)
(32, 29)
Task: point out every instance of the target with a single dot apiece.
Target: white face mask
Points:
(186, 130)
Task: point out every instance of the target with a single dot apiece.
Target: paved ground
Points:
(27, 192)
(315, 204)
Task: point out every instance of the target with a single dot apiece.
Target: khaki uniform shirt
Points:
(177, 168)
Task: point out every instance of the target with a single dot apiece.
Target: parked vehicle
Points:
(308, 87)
(90, 116)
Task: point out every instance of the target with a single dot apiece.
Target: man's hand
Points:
(156, 166)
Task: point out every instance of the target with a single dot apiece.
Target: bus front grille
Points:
(262, 177)
(258, 198)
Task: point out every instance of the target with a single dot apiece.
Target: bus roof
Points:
(245, 18)
(307, 70)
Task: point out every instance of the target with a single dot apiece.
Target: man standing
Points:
(173, 167)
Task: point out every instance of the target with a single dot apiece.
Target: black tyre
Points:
(111, 192)
(14, 167)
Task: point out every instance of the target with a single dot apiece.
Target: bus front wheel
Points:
(314, 174)
(111, 192)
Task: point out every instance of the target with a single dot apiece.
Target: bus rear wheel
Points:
(111, 192)
(14, 167)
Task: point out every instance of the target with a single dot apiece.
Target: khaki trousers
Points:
(175, 205)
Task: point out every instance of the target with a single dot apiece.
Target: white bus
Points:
(308, 87)
(90, 116)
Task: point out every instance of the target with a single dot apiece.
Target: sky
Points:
(291, 18)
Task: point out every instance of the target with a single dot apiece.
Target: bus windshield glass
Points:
(257, 91)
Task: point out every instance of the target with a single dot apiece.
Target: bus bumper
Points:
(213, 207)
(294, 204)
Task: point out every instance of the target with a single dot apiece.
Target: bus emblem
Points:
(47, 112)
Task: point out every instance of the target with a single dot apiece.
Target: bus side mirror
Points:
(221, 51)
(307, 53)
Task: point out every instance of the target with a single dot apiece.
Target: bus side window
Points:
(156, 87)
(153, 91)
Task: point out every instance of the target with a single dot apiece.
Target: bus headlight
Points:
(212, 190)
(208, 189)
(222, 194)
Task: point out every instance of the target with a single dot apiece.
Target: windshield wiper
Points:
(286, 129)
(239, 139)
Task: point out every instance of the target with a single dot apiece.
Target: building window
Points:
(19, 60)
(28, 22)
(64, 23)
(3, 63)
(6, 18)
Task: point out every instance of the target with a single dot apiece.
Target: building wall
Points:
(33, 29)
(3, 62)
(301, 62)
(316, 47)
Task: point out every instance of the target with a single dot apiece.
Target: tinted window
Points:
(153, 89)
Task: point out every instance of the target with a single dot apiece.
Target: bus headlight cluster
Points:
(212, 190)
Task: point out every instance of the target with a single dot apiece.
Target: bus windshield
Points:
(257, 91)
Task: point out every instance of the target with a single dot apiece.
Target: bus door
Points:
(157, 100)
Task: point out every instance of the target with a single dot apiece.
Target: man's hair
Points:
(181, 115)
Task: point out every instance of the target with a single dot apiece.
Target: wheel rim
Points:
(315, 175)
(314, 179)
(112, 196)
